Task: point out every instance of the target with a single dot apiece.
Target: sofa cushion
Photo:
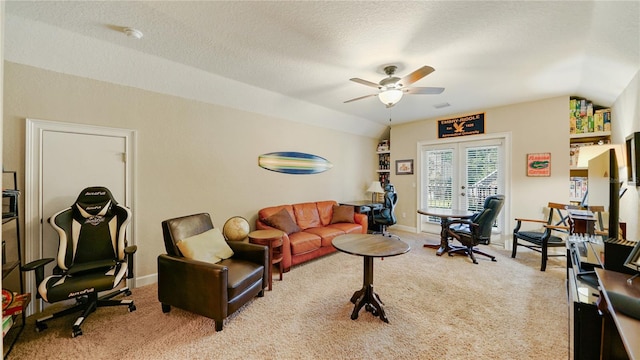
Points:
(325, 209)
(342, 214)
(347, 228)
(326, 233)
(208, 246)
(304, 242)
(282, 221)
(307, 215)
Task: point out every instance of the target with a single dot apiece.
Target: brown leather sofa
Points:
(208, 289)
(317, 227)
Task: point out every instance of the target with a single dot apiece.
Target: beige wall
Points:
(626, 113)
(539, 126)
(191, 156)
(196, 157)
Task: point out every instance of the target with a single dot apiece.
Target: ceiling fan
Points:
(392, 88)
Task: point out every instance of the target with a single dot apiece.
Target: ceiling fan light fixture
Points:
(133, 33)
(390, 97)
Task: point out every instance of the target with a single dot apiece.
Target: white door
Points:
(66, 158)
(460, 175)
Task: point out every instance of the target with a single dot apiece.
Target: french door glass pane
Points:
(439, 180)
(482, 175)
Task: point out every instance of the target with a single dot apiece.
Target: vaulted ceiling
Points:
(485, 53)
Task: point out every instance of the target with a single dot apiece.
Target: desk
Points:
(626, 326)
(366, 207)
(443, 214)
(369, 246)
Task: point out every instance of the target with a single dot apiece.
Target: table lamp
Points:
(375, 188)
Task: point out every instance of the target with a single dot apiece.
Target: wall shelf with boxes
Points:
(14, 301)
(384, 161)
(589, 124)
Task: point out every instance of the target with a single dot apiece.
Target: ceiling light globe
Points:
(390, 97)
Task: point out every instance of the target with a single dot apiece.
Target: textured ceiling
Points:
(485, 53)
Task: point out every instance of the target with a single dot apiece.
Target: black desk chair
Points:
(475, 230)
(92, 257)
(387, 216)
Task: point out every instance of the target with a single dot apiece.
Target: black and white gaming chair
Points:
(92, 257)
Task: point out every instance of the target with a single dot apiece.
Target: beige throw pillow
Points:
(208, 246)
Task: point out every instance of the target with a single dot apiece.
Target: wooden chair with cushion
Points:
(546, 237)
(205, 274)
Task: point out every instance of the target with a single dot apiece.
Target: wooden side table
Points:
(273, 240)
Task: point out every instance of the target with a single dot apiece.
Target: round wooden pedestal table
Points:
(273, 240)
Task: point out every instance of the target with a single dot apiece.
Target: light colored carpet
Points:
(438, 308)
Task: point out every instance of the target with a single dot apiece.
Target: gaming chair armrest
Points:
(38, 266)
(129, 251)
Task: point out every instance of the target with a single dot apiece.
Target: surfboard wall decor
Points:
(290, 162)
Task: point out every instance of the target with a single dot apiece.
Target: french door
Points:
(461, 175)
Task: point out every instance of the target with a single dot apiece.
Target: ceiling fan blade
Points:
(423, 90)
(360, 98)
(365, 82)
(416, 75)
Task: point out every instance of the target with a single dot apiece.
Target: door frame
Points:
(505, 136)
(35, 129)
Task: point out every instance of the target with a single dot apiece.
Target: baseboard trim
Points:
(146, 280)
(403, 228)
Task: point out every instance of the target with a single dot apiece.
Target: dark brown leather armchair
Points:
(211, 290)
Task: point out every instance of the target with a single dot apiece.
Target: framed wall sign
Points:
(539, 164)
(404, 167)
(462, 126)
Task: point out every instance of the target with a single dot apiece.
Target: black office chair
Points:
(386, 216)
(475, 230)
(92, 257)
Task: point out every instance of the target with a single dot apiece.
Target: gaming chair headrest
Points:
(94, 201)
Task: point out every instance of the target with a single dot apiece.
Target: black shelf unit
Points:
(10, 213)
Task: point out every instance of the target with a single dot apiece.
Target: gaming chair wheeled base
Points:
(88, 304)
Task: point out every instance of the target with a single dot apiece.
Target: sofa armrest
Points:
(192, 285)
(363, 220)
(286, 245)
